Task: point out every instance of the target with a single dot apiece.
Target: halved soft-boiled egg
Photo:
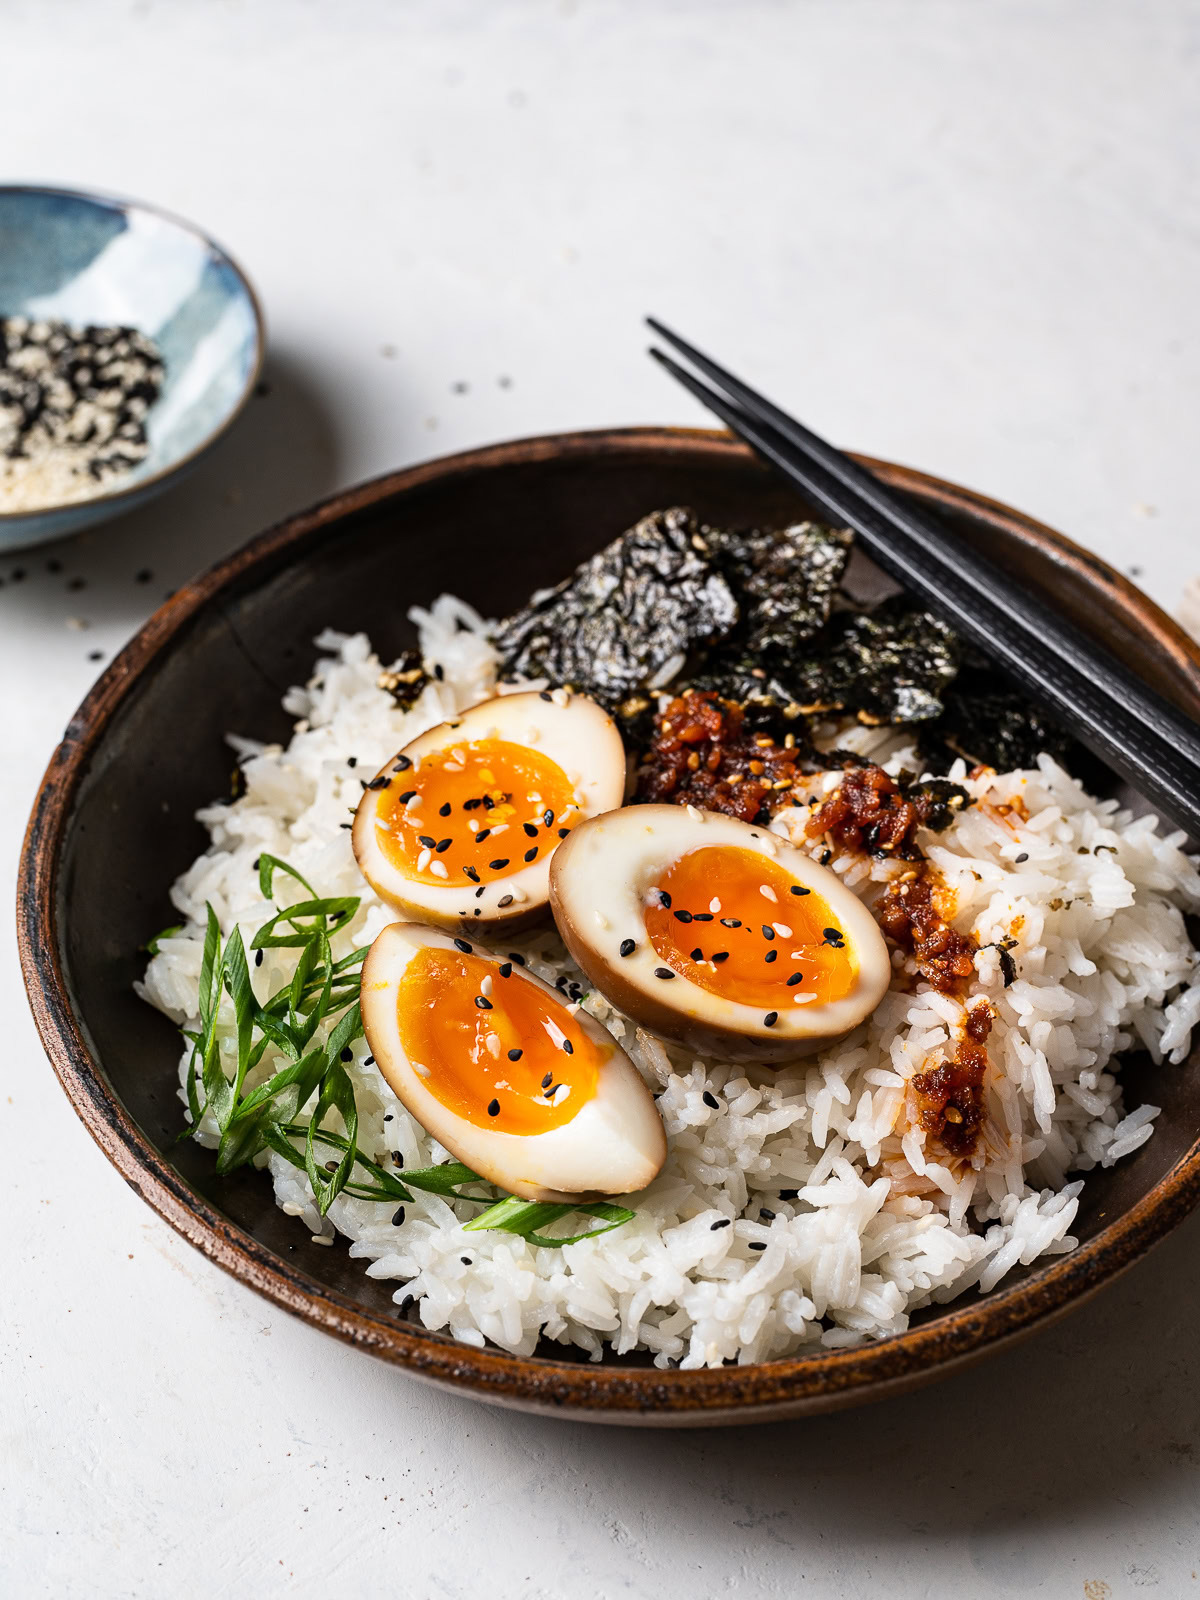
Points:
(459, 828)
(532, 1093)
(717, 933)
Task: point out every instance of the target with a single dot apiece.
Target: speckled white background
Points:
(961, 233)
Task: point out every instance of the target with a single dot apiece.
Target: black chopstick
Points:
(1140, 735)
(974, 569)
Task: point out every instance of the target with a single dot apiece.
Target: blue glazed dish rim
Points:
(114, 497)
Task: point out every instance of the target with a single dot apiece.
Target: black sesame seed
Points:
(443, 844)
(472, 805)
(771, 1018)
(347, 1054)
(482, 1001)
(397, 1219)
(347, 825)
(379, 783)
(488, 803)
(387, 1115)
(628, 946)
(351, 761)
(472, 874)
(796, 977)
(402, 764)
(144, 576)
(257, 863)
(531, 855)
(702, 916)
(406, 796)
(515, 1055)
(663, 972)
(730, 922)
(766, 1214)
(547, 817)
(826, 857)
(551, 1092)
(756, 1244)
(568, 1047)
(720, 955)
(545, 695)
(493, 1109)
(397, 1158)
(563, 832)
(724, 1223)
(1024, 856)
(505, 900)
(664, 899)
(697, 954)
(799, 889)
(466, 1260)
(331, 1166)
(768, 932)
(444, 809)
(427, 840)
(711, 1100)
(498, 865)
(789, 1194)
(683, 916)
(530, 829)
(482, 835)
(513, 956)
(771, 955)
(461, 944)
(95, 655)
(369, 1061)
(439, 671)
(258, 958)
(477, 912)
(547, 1080)
(408, 1301)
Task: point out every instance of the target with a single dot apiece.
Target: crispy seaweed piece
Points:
(785, 580)
(654, 594)
(988, 721)
(405, 680)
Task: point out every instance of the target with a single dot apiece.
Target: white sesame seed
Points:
(453, 766)
(561, 1093)
(420, 1069)
(501, 827)
(485, 988)
(782, 930)
(802, 999)
(438, 868)
(411, 805)
(322, 1238)
(714, 905)
(767, 892)
(561, 697)
(518, 894)
(493, 1044)
(695, 813)
(424, 859)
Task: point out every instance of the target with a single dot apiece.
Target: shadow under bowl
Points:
(89, 259)
(114, 824)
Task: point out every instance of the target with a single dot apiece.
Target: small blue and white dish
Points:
(86, 258)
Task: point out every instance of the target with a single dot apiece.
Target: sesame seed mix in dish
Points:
(696, 962)
(73, 405)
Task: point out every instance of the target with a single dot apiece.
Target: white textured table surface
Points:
(966, 236)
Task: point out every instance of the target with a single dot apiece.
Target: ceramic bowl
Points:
(85, 258)
(114, 824)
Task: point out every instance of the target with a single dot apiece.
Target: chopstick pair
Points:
(1093, 694)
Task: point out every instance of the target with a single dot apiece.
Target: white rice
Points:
(881, 1222)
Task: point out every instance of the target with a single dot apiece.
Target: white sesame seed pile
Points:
(73, 405)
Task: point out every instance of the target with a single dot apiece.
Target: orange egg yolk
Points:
(479, 810)
(491, 1046)
(741, 927)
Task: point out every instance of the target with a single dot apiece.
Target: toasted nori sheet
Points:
(785, 581)
(618, 619)
(893, 664)
(759, 619)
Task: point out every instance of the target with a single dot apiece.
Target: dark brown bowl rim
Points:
(812, 1382)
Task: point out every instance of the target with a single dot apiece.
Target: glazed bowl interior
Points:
(85, 258)
(115, 825)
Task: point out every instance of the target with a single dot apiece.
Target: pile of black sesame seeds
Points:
(73, 405)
